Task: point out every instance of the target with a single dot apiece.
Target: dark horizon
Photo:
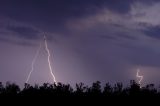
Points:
(81, 91)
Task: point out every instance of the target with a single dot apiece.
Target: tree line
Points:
(80, 90)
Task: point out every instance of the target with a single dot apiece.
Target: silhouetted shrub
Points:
(80, 89)
(108, 90)
(95, 89)
(11, 89)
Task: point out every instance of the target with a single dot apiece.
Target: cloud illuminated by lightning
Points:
(33, 62)
(139, 76)
(49, 63)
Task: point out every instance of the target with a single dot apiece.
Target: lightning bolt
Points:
(49, 63)
(33, 62)
(140, 77)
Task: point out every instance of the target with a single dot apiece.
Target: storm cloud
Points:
(90, 40)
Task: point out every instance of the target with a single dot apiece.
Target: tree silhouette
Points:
(134, 89)
(11, 89)
(81, 90)
(1, 88)
(118, 88)
(108, 90)
(95, 89)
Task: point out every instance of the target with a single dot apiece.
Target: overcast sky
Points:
(89, 40)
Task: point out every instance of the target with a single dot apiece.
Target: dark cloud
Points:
(15, 42)
(23, 31)
(108, 37)
(51, 15)
(124, 35)
(153, 31)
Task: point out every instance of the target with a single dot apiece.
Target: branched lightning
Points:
(139, 76)
(33, 62)
(49, 63)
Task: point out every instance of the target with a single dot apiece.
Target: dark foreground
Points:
(64, 93)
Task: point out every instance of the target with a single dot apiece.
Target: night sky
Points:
(89, 40)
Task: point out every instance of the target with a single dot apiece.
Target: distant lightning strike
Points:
(139, 76)
(49, 63)
(33, 62)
